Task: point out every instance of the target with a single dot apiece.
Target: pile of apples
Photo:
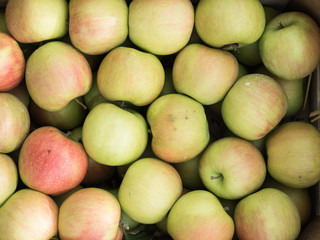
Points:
(155, 119)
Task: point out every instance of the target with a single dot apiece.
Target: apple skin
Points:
(232, 168)
(139, 197)
(294, 163)
(289, 46)
(106, 22)
(28, 214)
(30, 21)
(12, 64)
(204, 73)
(50, 162)
(172, 117)
(267, 214)
(221, 23)
(254, 105)
(56, 73)
(128, 74)
(14, 124)
(161, 27)
(93, 213)
(22, 93)
(198, 214)
(8, 177)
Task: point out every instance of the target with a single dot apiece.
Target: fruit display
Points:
(158, 120)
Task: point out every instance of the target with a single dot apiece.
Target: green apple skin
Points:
(128, 74)
(75, 134)
(255, 104)
(161, 27)
(179, 127)
(28, 214)
(3, 25)
(204, 73)
(199, 214)
(56, 73)
(8, 177)
(149, 189)
(221, 23)
(289, 46)
(90, 212)
(232, 168)
(114, 136)
(106, 22)
(294, 163)
(31, 21)
(267, 214)
(15, 122)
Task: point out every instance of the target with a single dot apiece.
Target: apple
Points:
(30, 21)
(128, 74)
(255, 104)
(161, 27)
(204, 73)
(57, 73)
(114, 136)
(199, 214)
(294, 154)
(12, 64)
(3, 25)
(179, 127)
(232, 168)
(229, 24)
(149, 189)
(14, 124)
(105, 22)
(90, 213)
(289, 46)
(8, 177)
(267, 214)
(28, 214)
(22, 93)
(50, 162)
(75, 134)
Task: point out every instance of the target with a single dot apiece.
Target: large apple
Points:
(229, 24)
(232, 168)
(255, 104)
(161, 27)
(56, 73)
(50, 162)
(179, 127)
(289, 46)
(14, 124)
(31, 21)
(204, 73)
(28, 214)
(128, 74)
(199, 215)
(90, 213)
(294, 154)
(97, 26)
(267, 214)
(149, 189)
(114, 136)
(8, 177)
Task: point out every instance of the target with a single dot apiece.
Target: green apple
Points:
(8, 177)
(229, 24)
(289, 46)
(267, 214)
(149, 189)
(294, 154)
(199, 214)
(204, 73)
(179, 127)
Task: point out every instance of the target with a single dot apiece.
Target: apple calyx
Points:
(216, 177)
(234, 46)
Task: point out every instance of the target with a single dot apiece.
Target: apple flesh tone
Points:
(28, 214)
(90, 213)
(31, 21)
(255, 104)
(199, 215)
(56, 73)
(203, 73)
(8, 177)
(50, 162)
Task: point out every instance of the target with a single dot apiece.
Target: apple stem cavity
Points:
(81, 104)
(234, 46)
(280, 24)
(215, 177)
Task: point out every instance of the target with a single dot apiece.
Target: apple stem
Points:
(215, 177)
(280, 24)
(124, 225)
(67, 134)
(81, 104)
